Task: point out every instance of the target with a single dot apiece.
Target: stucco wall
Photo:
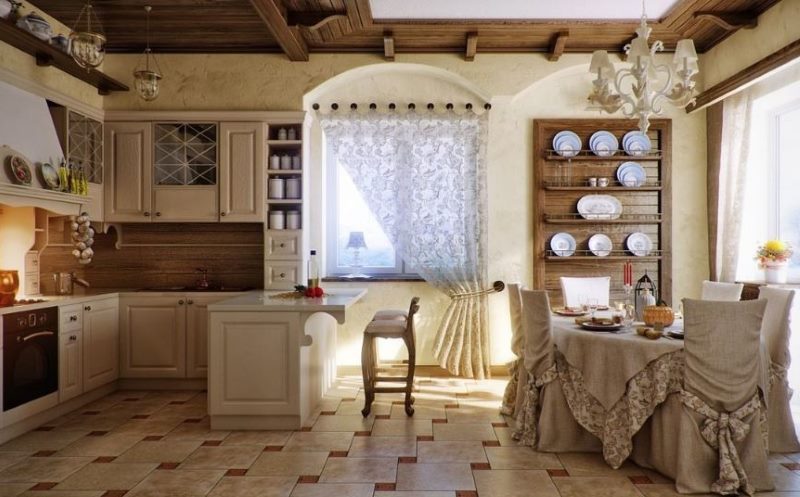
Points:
(520, 88)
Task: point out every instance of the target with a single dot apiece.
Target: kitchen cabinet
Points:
(70, 365)
(100, 343)
(241, 189)
(128, 171)
(166, 336)
(153, 337)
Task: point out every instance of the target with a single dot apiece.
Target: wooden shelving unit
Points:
(48, 55)
(559, 182)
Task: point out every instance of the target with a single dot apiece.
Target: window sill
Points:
(373, 279)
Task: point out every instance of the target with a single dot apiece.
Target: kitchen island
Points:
(271, 359)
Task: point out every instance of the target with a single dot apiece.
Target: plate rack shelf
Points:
(559, 182)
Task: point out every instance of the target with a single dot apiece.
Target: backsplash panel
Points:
(161, 255)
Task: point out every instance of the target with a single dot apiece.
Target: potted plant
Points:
(773, 257)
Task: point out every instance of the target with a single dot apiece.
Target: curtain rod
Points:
(411, 106)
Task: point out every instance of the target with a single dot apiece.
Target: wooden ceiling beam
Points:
(288, 37)
(360, 13)
(729, 21)
(312, 18)
(557, 46)
(388, 47)
(472, 47)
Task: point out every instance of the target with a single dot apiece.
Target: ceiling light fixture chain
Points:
(88, 47)
(147, 80)
(641, 89)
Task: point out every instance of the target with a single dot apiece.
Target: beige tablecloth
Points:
(607, 360)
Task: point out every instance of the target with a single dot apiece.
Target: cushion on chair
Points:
(715, 290)
(387, 314)
(386, 327)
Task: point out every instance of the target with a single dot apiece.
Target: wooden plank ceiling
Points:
(300, 27)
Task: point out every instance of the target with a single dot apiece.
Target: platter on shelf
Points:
(598, 207)
(563, 244)
(636, 143)
(639, 244)
(567, 144)
(50, 176)
(19, 170)
(600, 245)
(603, 144)
(631, 174)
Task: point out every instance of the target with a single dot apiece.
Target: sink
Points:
(194, 289)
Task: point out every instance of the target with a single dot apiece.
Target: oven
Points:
(30, 355)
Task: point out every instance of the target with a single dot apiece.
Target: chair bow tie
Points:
(720, 430)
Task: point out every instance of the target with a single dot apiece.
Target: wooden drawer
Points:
(70, 318)
(285, 245)
(282, 275)
(32, 262)
(32, 284)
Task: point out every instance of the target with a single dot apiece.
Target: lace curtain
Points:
(734, 147)
(423, 176)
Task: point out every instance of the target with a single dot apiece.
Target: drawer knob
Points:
(223, 214)
(87, 308)
(282, 245)
(180, 302)
(158, 214)
(282, 275)
(146, 213)
(73, 318)
(73, 338)
(190, 301)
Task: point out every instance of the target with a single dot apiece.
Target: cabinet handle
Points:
(223, 214)
(146, 213)
(282, 275)
(180, 302)
(281, 245)
(158, 214)
(73, 318)
(73, 338)
(190, 301)
(87, 308)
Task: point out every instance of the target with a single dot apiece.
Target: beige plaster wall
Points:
(520, 88)
(776, 28)
(21, 64)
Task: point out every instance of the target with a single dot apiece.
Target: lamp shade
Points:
(600, 63)
(356, 240)
(685, 50)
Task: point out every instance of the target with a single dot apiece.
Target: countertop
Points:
(261, 300)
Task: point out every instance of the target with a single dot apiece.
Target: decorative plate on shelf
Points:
(631, 174)
(636, 143)
(603, 144)
(20, 170)
(600, 245)
(639, 244)
(563, 244)
(567, 144)
(50, 176)
(599, 207)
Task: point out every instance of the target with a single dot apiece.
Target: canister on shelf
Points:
(282, 135)
(291, 134)
(277, 220)
(293, 188)
(296, 163)
(276, 188)
(286, 161)
(292, 220)
(275, 161)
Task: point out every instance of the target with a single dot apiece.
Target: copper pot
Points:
(9, 284)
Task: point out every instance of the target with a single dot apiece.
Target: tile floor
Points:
(457, 445)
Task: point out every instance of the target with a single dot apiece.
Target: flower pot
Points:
(775, 272)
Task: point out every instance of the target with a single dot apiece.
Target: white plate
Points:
(600, 245)
(599, 207)
(639, 244)
(563, 244)
(567, 144)
(631, 174)
(603, 143)
(636, 143)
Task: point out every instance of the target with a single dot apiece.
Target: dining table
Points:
(619, 378)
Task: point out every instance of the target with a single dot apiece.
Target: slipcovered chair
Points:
(776, 330)
(710, 436)
(715, 290)
(544, 420)
(597, 288)
(513, 396)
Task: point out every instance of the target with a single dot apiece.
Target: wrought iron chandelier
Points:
(88, 46)
(147, 79)
(641, 89)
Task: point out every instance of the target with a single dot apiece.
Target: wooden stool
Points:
(388, 324)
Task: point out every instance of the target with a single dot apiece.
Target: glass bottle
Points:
(313, 270)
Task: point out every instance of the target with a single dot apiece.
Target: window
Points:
(773, 177)
(349, 213)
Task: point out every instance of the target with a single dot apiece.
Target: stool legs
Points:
(368, 373)
(412, 361)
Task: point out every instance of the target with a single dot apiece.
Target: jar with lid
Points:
(293, 188)
(275, 161)
(291, 134)
(275, 188)
(277, 220)
(286, 161)
(282, 134)
(292, 220)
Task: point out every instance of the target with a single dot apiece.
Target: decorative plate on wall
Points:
(19, 170)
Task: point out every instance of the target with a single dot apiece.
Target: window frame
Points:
(333, 269)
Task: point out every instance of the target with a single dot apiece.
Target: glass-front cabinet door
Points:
(185, 171)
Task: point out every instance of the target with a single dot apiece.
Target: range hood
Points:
(27, 129)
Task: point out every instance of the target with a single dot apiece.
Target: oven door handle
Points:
(34, 335)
